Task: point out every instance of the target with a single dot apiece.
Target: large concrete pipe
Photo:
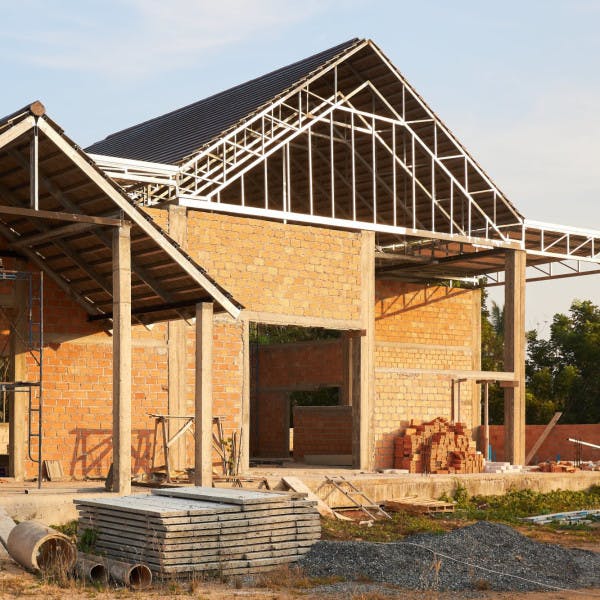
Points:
(135, 576)
(91, 568)
(38, 547)
(6, 526)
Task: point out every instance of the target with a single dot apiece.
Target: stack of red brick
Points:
(552, 466)
(437, 447)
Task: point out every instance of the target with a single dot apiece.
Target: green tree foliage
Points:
(285, 334)
(563, 372)
(492, 353)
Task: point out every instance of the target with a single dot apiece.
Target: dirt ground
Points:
(286, 583)
(15, 583)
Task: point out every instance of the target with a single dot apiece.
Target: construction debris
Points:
(566, 517)
(419, 505)
(501, 467)
(357, 499)
(183, 531)
(552, 466)
(437, 446)
(296, 485)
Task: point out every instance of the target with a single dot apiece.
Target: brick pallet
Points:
(188, 530)
(437, 446)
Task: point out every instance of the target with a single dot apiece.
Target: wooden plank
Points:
(54, 470)
(542, 438)
(52, 215)
(122, 360)
(418, 505)
(16, 131)
(294, 483)
(203, 395)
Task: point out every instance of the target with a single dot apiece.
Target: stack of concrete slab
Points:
(180, 531)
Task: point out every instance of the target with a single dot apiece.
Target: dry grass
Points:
(291, 577)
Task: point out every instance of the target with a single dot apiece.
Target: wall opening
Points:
(300, 404)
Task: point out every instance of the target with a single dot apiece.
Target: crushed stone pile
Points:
(480, 556)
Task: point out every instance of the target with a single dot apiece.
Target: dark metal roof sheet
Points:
(175, 135)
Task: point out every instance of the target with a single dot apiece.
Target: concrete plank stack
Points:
(437, 446)
(181, 531)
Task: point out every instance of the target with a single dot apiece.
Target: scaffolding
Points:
(26, 339)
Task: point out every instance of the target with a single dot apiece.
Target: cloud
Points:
(125, 38)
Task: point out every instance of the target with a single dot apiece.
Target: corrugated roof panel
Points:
(175, 135)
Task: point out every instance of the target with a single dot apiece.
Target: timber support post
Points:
(203, 395)
(514, 356)
(122, 360)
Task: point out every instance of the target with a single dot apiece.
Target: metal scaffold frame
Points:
(27, 330)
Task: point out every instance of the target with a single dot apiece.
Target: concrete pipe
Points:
(6, 526)
(38, 547)
(135, 576)
(91, 568)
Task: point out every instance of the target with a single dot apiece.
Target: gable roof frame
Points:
(220, 164)
(32, 232)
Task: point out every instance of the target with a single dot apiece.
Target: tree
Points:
(563, 372)
(492, 353)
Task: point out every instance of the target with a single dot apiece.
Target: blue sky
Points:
(518, 82)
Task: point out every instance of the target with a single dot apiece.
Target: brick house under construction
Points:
(325, 194)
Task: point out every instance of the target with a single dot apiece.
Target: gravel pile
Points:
(429, 561)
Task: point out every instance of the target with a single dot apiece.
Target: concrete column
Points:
(363, 363)
(122, 360)
(17, 403)
(514, 356)
(176, 353)
(245, 429)
(476, 363)
(204, 395)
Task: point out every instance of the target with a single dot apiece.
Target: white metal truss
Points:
(335, 151)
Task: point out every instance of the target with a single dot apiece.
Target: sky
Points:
(518, 82)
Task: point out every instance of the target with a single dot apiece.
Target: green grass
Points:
(509, 509)
(516, 504)
(388, 530)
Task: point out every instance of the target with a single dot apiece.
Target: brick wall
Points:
(322, 430)
(280, 268)
(292, 366)
(297, 272)
(420, 334)
(556, 444)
